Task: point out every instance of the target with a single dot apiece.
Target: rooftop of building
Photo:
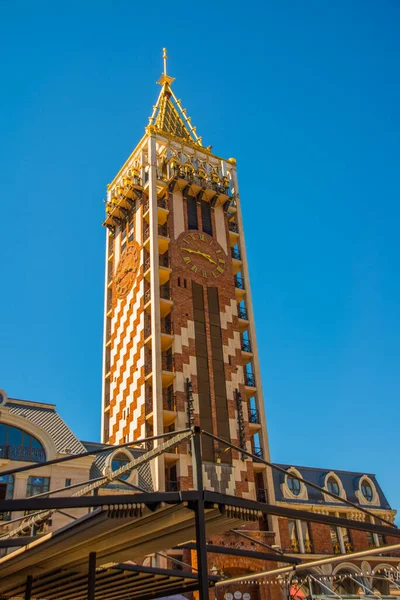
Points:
(348, 482)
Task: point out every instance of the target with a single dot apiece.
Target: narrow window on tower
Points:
(130, 229)
(206, 217)
(192, 213)
(123, 237)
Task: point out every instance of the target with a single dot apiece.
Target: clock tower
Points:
(179, 337)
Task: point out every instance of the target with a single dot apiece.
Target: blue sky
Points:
(306, 97)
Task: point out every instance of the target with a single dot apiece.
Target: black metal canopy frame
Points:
(87, 558)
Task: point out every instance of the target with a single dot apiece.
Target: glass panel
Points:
(14, 436)
(346, 539)
(2, 433)
(367, 491)
(335, 540)
(293, 485)
(16, 444)
(118, 462)
(333, 486)
(305, 530)
(37, 485)
(294, 542)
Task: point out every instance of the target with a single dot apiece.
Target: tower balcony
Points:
(233, 206)
(168, 407)
(163, 237)
(250, 383)
(254, 420)
(164, 270)
(236, 260)
(162, 210)
(247, 351)
(167, 369)
(233, 233)
(166, 334)
(243, 318)
(209, 186)
(122, 201)
(165, 300)
(240, 292)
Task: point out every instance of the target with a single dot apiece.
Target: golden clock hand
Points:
(207, 256)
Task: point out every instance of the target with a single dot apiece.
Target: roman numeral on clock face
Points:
(186, 259)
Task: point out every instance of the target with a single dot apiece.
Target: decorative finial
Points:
(165, 79)
(165, 60)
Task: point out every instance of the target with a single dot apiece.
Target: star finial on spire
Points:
(165, 79)
(165, 60)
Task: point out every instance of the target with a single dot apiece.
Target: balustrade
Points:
(235, 253)
(239, 283)
(232, 226)
(242, 312)
(254, 416)
(245, 345)
(22, 453)
(249, 379)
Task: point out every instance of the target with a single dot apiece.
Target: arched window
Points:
(6, 493)
(333, 486)
(293, 485)
(366, 490)
(120, 460)
(17, 444)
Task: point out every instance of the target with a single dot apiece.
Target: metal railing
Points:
(107, 399)
(165, 292)
(169, 400)
(147, 330)
(245, 345)
(147, 263)
(171, 486)
(167, 361)
(242, 312)
(203, 182)
(258, 451)
(232, 226)
(262, 495)
(166, 325)
(148, 366)
(235, 253)
(239, 283)
(163, 230)
(249, 379)
(254, 416)
(164, 260)
(22, 453)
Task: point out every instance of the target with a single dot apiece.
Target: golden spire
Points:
(168, 114)
(165, 79)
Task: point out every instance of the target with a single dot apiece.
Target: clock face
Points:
(126, 270)
(202, 254)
